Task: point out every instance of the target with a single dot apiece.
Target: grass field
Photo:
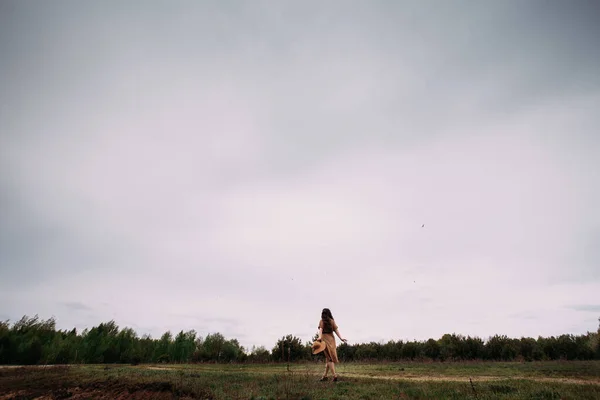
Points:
(465, 380)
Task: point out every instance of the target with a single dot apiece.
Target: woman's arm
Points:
(320, 333)
(337, 332)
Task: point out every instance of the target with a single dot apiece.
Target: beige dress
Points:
(330, 349)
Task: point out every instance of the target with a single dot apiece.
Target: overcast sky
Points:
(236, 166)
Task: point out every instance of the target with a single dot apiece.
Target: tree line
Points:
(32, 340)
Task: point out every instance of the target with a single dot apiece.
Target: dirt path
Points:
(435, 378)
(163, 368)
(477, 378)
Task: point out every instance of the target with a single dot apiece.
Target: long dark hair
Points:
(326, 316)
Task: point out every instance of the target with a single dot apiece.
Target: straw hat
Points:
(318, 346)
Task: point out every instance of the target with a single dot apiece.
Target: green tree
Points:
(259, 355)
(232, 351)
(474, 348)
(6, 347)
(431, 349)
(32, 340)
(99, 344)
(550, 347)
(288, 348)
(530, 350)
(449, 347)
(366, 351)
(126, 345)
(184, 346)
(147, 349)
(213, 347)
(162, 350)
(391, 351)
(410, 350)
(499, 347)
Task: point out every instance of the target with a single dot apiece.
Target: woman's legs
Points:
(332, 368)
(329, 365)
(326, 369)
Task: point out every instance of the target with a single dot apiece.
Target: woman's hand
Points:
(344, 340)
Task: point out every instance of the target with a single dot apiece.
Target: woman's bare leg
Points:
(326, 369)
(332, 368)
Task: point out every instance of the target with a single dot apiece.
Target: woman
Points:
(327, 327)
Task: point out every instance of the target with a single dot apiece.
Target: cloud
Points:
(238, 169)
(76, 306)
(586, 307)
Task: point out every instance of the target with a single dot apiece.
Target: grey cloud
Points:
(76, 306)
(222, 321)
(586, 307)
(213, 158)
(525, 315)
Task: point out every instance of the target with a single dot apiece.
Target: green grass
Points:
(559, 380)
(564, 369)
